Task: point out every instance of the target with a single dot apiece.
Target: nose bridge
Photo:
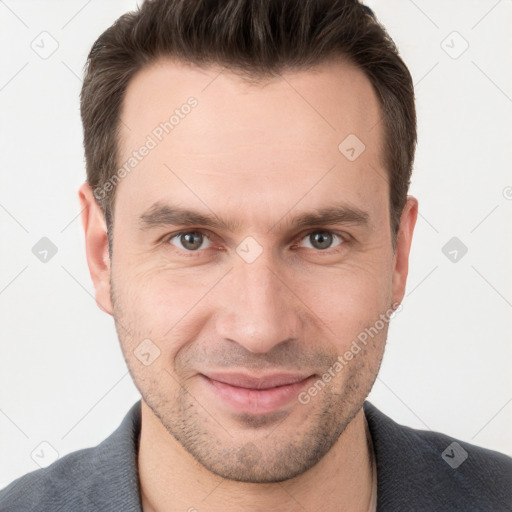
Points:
(259, 311)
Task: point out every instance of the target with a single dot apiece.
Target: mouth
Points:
(255, 395)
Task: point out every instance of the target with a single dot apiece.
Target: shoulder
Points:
(49, 488)
(425, 470)
(103, 478)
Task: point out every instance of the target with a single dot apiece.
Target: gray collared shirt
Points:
(416, 471)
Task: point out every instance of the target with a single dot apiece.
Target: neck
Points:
(171, 479)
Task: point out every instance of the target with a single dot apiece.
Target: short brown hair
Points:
(256, 38)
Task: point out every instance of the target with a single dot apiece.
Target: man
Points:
(247, 225)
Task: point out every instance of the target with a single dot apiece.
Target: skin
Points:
(258, 154)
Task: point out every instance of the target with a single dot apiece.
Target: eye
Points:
(193, 241)
(321, 240)
(190, 240)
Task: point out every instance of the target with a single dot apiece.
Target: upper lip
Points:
(243, 380)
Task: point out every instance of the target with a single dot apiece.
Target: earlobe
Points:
(403, 247)
(96, 245)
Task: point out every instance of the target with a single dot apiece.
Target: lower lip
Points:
(257, 401)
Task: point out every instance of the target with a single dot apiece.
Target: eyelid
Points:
(344, 237)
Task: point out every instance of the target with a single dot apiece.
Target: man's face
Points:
(246, 313)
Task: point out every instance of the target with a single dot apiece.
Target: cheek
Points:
(165, 304)
(348, 305)
(350, 293)
(157, 302)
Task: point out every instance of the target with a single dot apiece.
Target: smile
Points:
(256, 395)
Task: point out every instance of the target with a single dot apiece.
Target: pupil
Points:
(191, 240)
(321, 240)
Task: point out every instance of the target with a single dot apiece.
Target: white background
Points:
(447, 367)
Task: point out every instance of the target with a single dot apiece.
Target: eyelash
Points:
(344, 238)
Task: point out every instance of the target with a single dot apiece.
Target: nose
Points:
(258, 310)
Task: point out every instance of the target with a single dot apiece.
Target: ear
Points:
(403, 247)
(96, 245)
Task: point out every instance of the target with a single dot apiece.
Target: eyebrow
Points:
(161, 215)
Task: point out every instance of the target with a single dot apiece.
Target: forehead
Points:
(265, 141)
(331, 99)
